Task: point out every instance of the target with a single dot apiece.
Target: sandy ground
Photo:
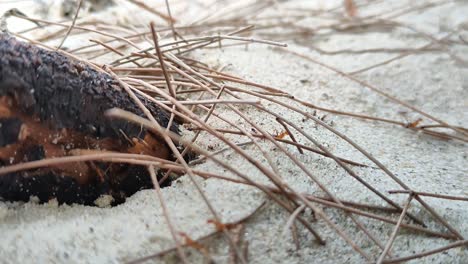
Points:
(432, 81)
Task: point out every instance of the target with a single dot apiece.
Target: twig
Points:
(292, 218)
(216, 101)
(429, 252)
(389, 244)
(290, 134)
(144, 6)
(441, 196)
(72, 25)
(157, 188)
(171, 19)
(161, 60)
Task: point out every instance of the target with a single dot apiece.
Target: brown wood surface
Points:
(53, 106)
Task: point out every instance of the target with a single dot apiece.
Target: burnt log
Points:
(52, 105)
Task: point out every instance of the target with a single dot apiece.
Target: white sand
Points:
(40, 233)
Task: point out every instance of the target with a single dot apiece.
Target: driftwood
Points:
(53, 106)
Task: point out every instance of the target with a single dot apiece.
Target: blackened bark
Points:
(67, 92)
(9, 130)
(63, 93)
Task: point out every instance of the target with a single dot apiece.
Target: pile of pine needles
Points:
(154, 62)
